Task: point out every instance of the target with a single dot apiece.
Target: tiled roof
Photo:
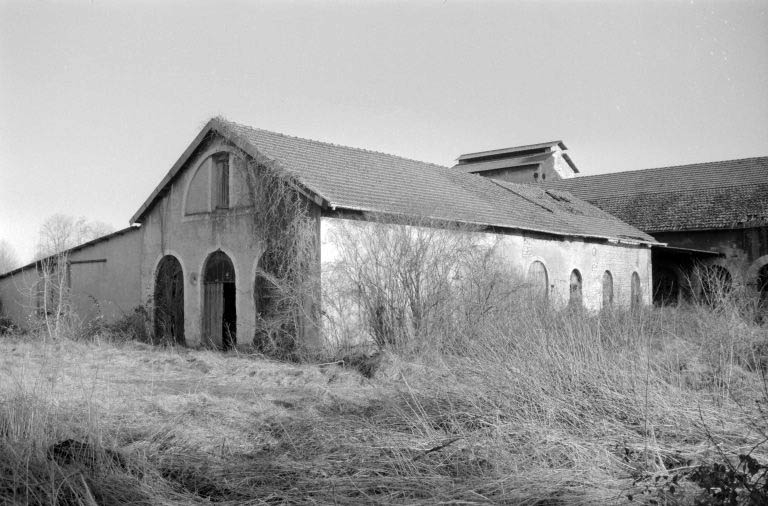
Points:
(361, 180)
(703, 196)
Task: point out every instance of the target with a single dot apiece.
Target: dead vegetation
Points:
(470, 399)
(536, 409)
(286, 290)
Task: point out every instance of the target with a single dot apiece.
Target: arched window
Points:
(219, 301)
(666, 286)
(607, 289)
(220, 180)
(575, 299)
(636, 292)
(538, 280)
(209, 188)
(169, 301)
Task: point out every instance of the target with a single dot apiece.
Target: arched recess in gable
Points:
(217, 182)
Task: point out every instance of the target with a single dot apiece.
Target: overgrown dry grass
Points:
(536, 409)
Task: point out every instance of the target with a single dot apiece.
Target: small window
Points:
(539, 281)
(221, 181)
(636, 292)
(607, 290)
(576, 297)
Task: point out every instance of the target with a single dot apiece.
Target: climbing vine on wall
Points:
(286, 289)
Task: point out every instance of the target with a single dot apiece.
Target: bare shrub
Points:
(9, 260)
(53, 303)
(411, 284)
(60, 232)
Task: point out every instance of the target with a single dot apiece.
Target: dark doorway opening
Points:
(169, 301)
(666, 286)
(229, 318)
(220, 301)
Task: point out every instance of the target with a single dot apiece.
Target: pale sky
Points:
(99, 99)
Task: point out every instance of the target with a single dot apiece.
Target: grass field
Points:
(566, 409)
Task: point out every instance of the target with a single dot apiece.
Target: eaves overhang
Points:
(498, 227)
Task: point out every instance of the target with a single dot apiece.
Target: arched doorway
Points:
(636, 292)
(539, 281)
(666, 286)
(169, 301)
(607, 289)
(762, 284)
(575, 299)
(219, 301)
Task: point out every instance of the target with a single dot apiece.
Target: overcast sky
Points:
(98, 99)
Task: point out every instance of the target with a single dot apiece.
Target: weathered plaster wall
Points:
(110, 287)
(103, 280)
(17, 296)
(559, 256)
(191, 238)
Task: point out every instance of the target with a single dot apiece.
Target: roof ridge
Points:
(221, 119)
(670, 167)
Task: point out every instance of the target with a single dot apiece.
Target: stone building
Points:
(195, 257)
(714, 214)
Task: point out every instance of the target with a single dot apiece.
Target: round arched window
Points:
(607, 289)
(538, 280)
(575, 298)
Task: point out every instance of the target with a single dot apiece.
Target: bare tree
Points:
(9, 260)
(61, 232)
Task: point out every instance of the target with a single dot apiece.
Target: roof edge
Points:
(511, 149)
(79, 247)
(218, 125)
(621, 240)
(137, 217)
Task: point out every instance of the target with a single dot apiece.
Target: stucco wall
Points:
(112, 284)
(17, 296)
(559, 256)
(103, 280)
(167, 230)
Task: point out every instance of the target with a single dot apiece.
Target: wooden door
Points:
(213, 312)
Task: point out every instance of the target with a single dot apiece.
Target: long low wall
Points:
(518, 251)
